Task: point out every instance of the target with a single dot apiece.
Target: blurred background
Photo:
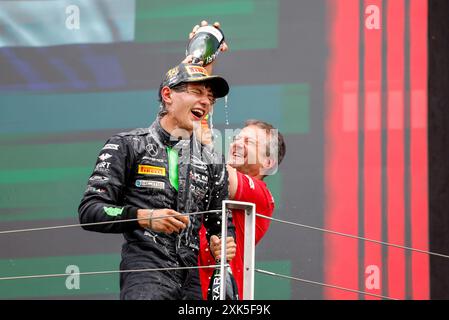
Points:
(344, 81)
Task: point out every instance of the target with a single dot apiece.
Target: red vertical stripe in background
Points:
(418, 147)
(341, 149)
(373, 154)
(395, 147)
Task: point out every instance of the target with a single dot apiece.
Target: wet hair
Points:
(273, 144)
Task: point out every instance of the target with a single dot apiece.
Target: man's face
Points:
(248, 151)
(189, 105)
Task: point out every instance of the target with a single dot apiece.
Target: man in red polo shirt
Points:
(255, 153)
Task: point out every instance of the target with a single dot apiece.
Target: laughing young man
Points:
(154, 174)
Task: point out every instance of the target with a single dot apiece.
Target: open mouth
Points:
(238, 157)
(198, 113)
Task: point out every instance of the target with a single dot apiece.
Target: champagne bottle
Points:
(205, 44)
(213, 293)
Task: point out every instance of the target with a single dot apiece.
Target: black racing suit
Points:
(133, 172)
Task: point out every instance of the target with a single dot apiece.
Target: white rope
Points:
(37, 276)
(101, 223)
(321, 284)
(354, 237)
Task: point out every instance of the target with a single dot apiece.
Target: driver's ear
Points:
(166, 95)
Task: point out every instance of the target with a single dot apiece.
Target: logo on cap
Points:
(193, 70)
(172, 72)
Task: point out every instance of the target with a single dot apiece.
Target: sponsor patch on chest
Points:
(150, 184)
(151, 170)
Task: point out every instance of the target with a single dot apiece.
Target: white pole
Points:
(249, 244)
(249, 257)
(224, 234)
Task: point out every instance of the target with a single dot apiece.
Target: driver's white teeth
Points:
(200, 112)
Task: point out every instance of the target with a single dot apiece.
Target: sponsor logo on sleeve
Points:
(96, 190)
(111, 146)
(151, 170)
(113, 211)
(98, 179)
(150, 184)
(103, 166)
(104, 156)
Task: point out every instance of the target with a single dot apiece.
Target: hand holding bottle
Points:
(215, 247)
(231, 289)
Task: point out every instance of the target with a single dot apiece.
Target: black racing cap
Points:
(185, 73)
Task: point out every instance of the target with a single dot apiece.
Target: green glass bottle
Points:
(205, 44)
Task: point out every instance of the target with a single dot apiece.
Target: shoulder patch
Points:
(112, 211)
